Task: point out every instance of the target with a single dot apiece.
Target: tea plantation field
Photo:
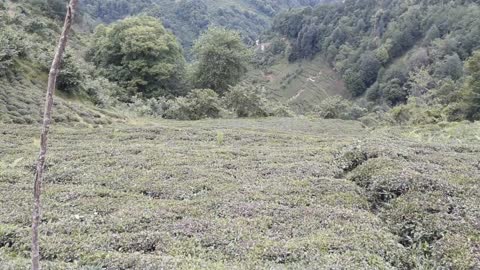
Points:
(294, 193)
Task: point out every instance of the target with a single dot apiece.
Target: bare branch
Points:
(47, 119)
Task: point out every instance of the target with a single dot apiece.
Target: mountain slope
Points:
(388, 51)
(302, 85)
(27, 41)
(188, 18)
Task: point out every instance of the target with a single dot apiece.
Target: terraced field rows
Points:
(21, 102)
(243, 194)
(302, 85)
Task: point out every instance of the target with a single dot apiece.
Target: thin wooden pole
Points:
(47, 119)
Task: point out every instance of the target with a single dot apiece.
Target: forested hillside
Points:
(188, 18)
(395, 52)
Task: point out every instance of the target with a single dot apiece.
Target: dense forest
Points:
(188, 18)
(418, 53)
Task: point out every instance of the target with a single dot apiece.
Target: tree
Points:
(432, 34)
(246, 101)
(394, 92)
(12, 45)
(451, 66)
(354, 83)
(222, 60)
(47, 119)
(141, 56)
(198, 104)
(70, 77)
(369, 67)
(472, 86)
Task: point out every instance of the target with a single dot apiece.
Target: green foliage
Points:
(354, 83)
(141, 56)
(198, 104)
(336, 107)
(394, 92)
(450, 67)
(12, 45)
(53, 8)
(70, 77)
(246, 101)
(369, 66)
(187, 19)
(222, 58)
(378, 46)
(472, 87)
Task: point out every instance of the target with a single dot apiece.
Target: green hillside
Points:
(302, 85)
(418, 55)
(188, 18)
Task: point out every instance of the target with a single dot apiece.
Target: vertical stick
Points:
(47, 119)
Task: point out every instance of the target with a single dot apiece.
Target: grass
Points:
(293, 193)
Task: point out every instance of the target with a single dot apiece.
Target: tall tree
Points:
(222, 60)
(472, 86)
(141, 55)
(47, 119)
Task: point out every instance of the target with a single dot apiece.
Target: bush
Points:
(101, 91)
(413, 113)
(148, 107)
(394, 92)
(246, 101)
(70, 77)
(12, 45)
(198, 104)
(337, 107)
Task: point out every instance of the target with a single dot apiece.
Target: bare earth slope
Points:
(245, 194)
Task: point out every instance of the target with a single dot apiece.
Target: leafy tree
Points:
(141, 56)
(432, 34)
(70, 77)
(472, 86)
(222, 59)
(12, 45)
(246, 101)
(394, 92)
(369, 67)
(198, 104)
(451, 66)
(354, 83)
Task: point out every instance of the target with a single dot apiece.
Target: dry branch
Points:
(47, 119)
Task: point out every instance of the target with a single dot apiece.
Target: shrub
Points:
(337, 107)
(413, 113)
(101, 91)
(246, 101)
(198, 104)
(12, 45)
(70, 77)
(148, 107)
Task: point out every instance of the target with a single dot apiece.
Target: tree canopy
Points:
(141, 55)
(222, 59)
